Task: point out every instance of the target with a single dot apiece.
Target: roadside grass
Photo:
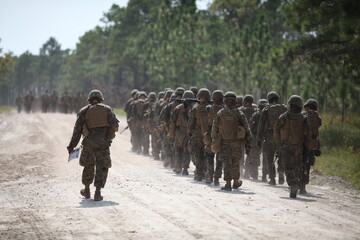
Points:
(5, 109)
(119, 112)
(341, 148)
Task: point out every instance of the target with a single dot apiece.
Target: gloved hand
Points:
(259, 143)
(317, 153)
(70, 149)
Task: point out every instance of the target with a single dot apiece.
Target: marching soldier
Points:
(229, 133)
(98, 124)
(292, 136)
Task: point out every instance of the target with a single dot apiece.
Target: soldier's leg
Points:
(210, 166)
(255, 162)
(305, 172)
(155, 145)
(269, 152)
(242, 162)
(225, 158)
(218, 170)
(87, 160)
(248, 162)
(103, 163)
(178, 143)
(146, 142)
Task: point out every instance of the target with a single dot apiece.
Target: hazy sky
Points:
(28, 24)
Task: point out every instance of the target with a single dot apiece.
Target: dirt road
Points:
(142, 200)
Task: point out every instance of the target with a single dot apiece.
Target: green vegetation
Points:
(5, 109)
(341, 148)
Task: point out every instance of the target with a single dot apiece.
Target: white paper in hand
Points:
(75, 154)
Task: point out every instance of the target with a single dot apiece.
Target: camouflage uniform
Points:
(137, 114)
(248, 109)
(268, 118)
(231, 125)
(178, 124)
(292, 134)
(45, 102)
(197, 126)
(148, 108)
(127, 109)
(315, 122)
(217, 97)
(98, 124)
(19, 102)
(66, 103)
(28, 102)
(255, 150)
(152, 122)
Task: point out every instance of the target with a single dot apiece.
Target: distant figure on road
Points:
(53, 101)
(29, 98)
(45, 102)
(98, 124)
(19, 102)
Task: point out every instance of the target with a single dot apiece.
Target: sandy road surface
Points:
(40, 196)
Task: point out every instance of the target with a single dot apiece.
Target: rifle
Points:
(124, 129)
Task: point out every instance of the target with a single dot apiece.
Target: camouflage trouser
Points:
(198, 151)
(155, 144)
(305, 171)
(211, 164)
(182, 156)
(95, 158)
(253, 161)
(138, 137)
(292, 159)
(146, 141)
(269, 149)
(230, 154)
(167, 150)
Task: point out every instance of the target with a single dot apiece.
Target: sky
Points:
(25, 25)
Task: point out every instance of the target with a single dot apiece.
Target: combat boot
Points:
(272, 181)
(216, 181)
(85, 192)
(97, 196)
(227, 186)
(209, 178)
(281, 178)
(185, 172)
(263, 178)
(293, 191)
(302, 189)
(177, 170)
(237, 183)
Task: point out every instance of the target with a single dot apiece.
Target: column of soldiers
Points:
(67, 103)
(224, 133)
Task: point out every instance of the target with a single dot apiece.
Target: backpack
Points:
(293, 130)
(230, 128)
(274, 112)
(315, 123)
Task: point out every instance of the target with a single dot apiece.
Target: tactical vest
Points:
(248, 111)
(274, 112)
(213, 110)
(293, 130)
(182, 118)
(97, 116)
(201, 118)
(230, 128)
(315, 123)
(139, 107)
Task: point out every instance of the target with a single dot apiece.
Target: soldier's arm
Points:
(192, 120)
(80, 121)
(215, 126)
(113, 121)
(307, 134)
(279, 125)
(245, 124)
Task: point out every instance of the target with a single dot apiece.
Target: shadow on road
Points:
(90, 203)
(298, 199)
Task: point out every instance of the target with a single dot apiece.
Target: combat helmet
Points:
(263, 103)
(239, 100)
(248, 99)
(272, 96)
(296, 101)
(179, 91)
(142, 94)
(311, 103)
(95, 94)
(204, 93)
(188, 94)
(168, 93)
(152, 95)
(195, 90)
(217, 94)
(161, 95)
(133, 92)
(230, 96)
